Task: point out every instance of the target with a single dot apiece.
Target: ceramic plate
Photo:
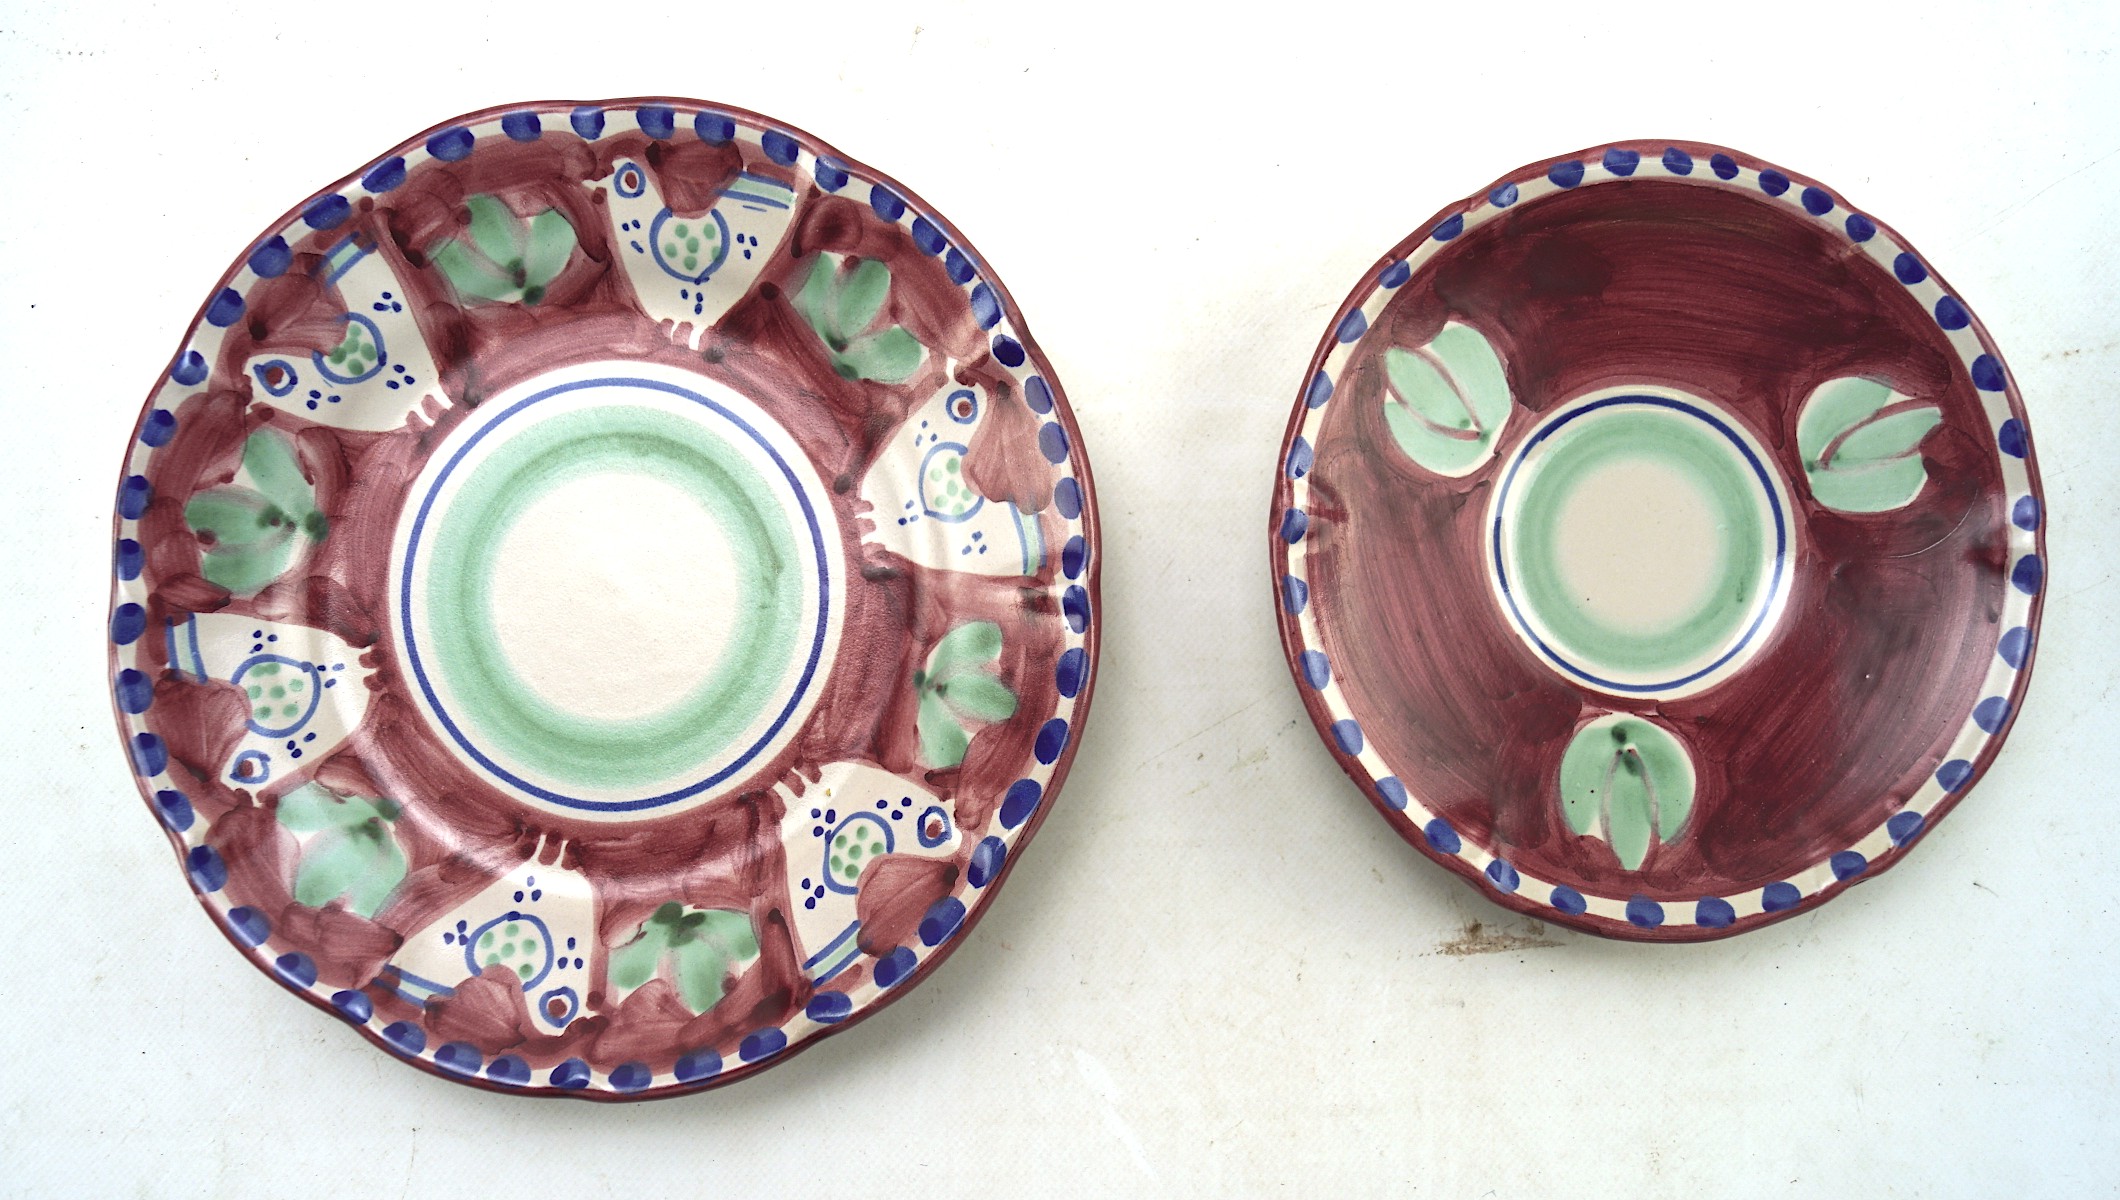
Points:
(1657, 541)
(604, 594)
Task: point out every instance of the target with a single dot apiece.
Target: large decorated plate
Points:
(603, 595)
(1657, 542)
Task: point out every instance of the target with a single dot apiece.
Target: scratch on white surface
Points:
(1106, 1089)
(1217, 723)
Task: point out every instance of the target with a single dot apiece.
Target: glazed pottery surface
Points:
(1657, 540)
(603, 596)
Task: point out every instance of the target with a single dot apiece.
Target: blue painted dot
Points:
(1319, 392)
(1773, 182)
(150, 756)
(175, 809)
(1070, 671)
(588, 122)
(158, 428)
(127, 622)
(189, 369)
(829, 1008)
(1347, 733)
(249, 925)
(1352, 326)
(1316, 668)
(128, 559)
(1987, 374)
(942, 919)
(1723, 165)
(1860, 228)
(1568, 900)
(327, 212)
(831, 175)
(135, 691)
(133, 497)
(354, 1006)
(522, 126)
(1074, 556)
(1008, 350)
(762, 1044)
(1954, 774)
(959, 267)
(1503, 195)
(508, 1069)
(1052, 739)
(1848, 864)
(1622, 162)
(226, 309)
(1714, 912)
(1019, 802)
(1393, 792)
(1294, 524)
(1566, 174)
(1503, 876)
(779, 147)
(893, 968)
(631, 1077)
(1817, 202)
(572, 1075)
(1990, 713)
(1450, 227)
(2014, 646)
(986, 307)
(1300, 458)
(1677, 161)
(885, 202)
(208, 873)
(1442, 838)
(2010, 438)
(1644, 912)
(656, 120)
(2024, 514)
(927, 237)
(1075, 607)
(460, 1057)
(1903, 827)
(713, 128)
(2028, 574)
(987, 859)
(1779, 897)
(1950, 314)
(384, 176)
(1909, 269)
(452, 144)
(698, 1065)
(1295, 595)
(1394, 275)
(1067, 498)
(271, 258)
(1038, 394)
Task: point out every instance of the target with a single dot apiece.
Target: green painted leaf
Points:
(890, 356)
(237, 517)
(1861, 443)
(551, 245)
(943, 739)
(276, 472)
(470, 275)
(979, 696)
(354, 854)
(1448, 401)
(815, 300)
(253, 529)
(839, 305)
(703, 946)
(634, 963)
(861, 296)
(970, 643)
(495, 231)
(247, 569)
(1628, 782)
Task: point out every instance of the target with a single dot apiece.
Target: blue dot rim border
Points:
(1945, 782)
(1019, 815)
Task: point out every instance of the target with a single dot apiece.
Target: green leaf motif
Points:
(1448, 401)
(253, 532)
(507, 260)
(957, 690)
(353, 855)
(1860, 442)
(702, 945)
(1628, 782)
(840, 305)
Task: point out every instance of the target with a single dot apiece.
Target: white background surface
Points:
(1217, 972)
